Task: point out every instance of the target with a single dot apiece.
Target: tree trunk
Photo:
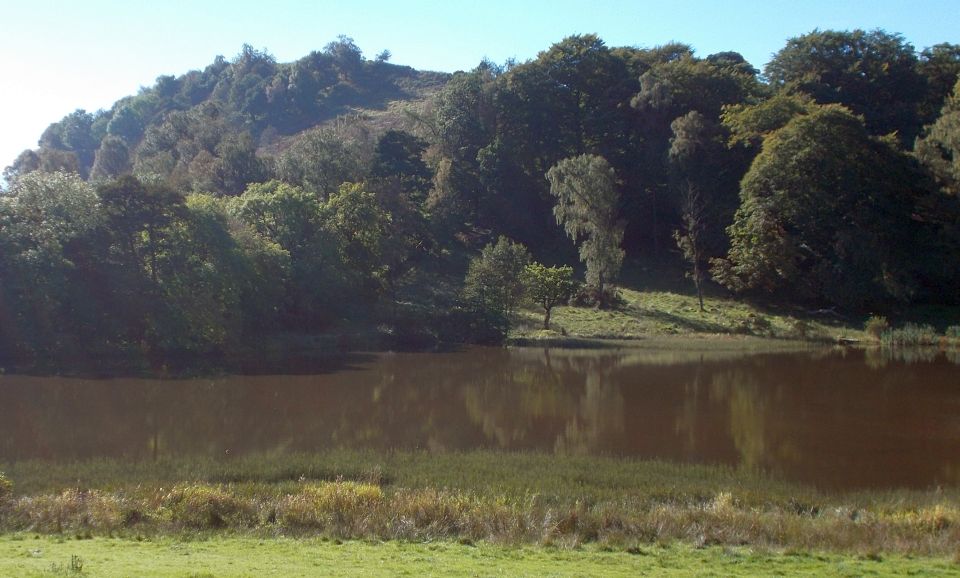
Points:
(698, 281)
(546, 318)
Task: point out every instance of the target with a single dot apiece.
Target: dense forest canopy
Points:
(255, 196)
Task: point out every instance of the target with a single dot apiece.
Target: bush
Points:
(590, 296)
(6, 487)
(952, 332)
(802, 330)
(754, 324)
(876, 325)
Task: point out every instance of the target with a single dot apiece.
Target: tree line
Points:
(225, 204)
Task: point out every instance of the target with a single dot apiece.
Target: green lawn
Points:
(27, 555)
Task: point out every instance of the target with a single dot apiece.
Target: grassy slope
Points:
(663, 313)
(241, 556)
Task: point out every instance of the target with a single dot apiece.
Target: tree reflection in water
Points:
(835, 418)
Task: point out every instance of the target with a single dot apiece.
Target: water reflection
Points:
(835, 418)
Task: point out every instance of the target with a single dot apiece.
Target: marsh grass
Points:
(505, 498)
(911, 334)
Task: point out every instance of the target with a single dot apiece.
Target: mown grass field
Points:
(235, 556)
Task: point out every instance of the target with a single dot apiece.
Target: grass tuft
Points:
(910, 334)
(202, 506)
(876, 326)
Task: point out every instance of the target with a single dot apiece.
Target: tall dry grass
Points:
(350, 509)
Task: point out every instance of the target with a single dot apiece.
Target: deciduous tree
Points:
(494, 281)
(548, 287)
(587, 205)
(826, 215)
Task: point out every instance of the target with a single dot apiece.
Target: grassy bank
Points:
(222, 556)
(662, 313)
(514, 499)
(668, 319)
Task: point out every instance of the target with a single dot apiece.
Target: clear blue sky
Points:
(60, 55)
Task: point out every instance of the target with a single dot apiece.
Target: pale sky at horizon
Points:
(59, 56)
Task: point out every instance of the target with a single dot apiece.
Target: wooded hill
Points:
(256, 197)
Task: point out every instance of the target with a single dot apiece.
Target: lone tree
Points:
(692, 159)
(548, 286)
(587, 200)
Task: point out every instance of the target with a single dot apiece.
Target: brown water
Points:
(837, 418)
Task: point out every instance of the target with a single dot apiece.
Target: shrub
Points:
(876, 325)
(953, 332)
(754, 324)
(802, 329)
(6, 487)
(590, 296)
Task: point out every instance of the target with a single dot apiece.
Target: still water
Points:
(841, 419)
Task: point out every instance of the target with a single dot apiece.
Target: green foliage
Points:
(830, 210)
(939, 66)
(750, 123)
(285, 214)
(45, 224)
(45, 211)
(361, 231)
(290, 218)
(112, 160)
(494, 284)
(126, 123)
(939, 147)
(548, 287)
(876, 326)
(874, 74)
(323, 159)
(6, 487)
(678, 85)
(910, 334)
(825, 215)
(695, 158)
(79, 133)
(587, 203)
(400, 154)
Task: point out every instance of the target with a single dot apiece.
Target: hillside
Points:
(200, 126)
